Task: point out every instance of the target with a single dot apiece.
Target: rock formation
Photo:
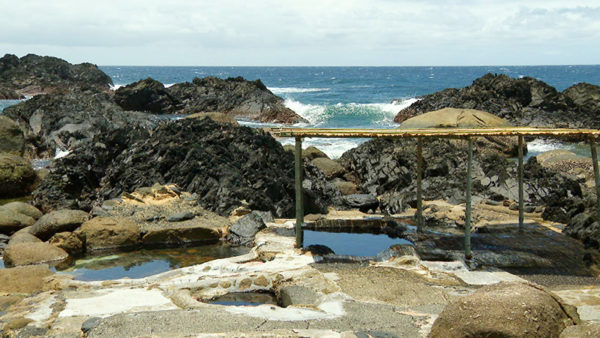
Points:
(222, 164)
(506, 310)
(63, 120)
(33, 75)
(236, 97)
(387, 168)
(524, 102)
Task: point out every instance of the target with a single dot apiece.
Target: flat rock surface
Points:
(402, 287)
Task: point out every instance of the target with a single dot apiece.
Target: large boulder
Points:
(467, 118)
(455, 118)
(12, 221)
(146, 95)
(243, 231)
(586, 96)
(329, 167)
(524, 101)
(103, 233)
(65, 120)
(234, 96)
(69, 242)
(24, 279)
(11, 137)
(17, 177)
(58, 221)
(33, 253)
(33, 74)
(180, 236)
(23, 208)
(505, 310)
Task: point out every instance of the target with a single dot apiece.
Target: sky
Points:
(305, 32)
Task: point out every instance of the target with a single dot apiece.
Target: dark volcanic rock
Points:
(33, 74)
(585, 227)
(62, 120)
(362, 202)
(222, 164)
(243, 231)
(525, 101)
(74, 180)
(146, 95)
(234, 96)
(387, 168)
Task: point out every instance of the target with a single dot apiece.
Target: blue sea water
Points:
(352, 97)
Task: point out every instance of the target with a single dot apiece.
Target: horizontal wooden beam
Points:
(434, 132)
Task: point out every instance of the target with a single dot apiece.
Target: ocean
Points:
(353, 97)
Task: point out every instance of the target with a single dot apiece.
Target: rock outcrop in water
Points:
(524, 101)
(64, 119)
(236, 97)
(33, 74)
(224, 165)
(147, 95)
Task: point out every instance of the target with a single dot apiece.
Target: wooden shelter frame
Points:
(589, 135)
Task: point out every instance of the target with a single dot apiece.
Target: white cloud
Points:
(307, 32)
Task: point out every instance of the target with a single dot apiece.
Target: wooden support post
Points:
(468, 198)
(596, 175)
(419, 184)
(520, 169)
(299, 194)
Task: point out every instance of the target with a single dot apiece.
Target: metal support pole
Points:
(596, 175)
(468, 198)
(419, 184)
(520, 169)
(299, 194)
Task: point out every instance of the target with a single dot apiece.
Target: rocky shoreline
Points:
(129, 178)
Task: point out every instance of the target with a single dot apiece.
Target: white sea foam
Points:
(117, 86)
(318, 114)
(167, 85)
(291, 90)
(333, 147)
(312, 112)
(59, 153)
(540, 146)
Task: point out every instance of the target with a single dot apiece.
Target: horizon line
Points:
(363, 66)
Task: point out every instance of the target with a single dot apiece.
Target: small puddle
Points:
(352, 244)
(245, 299)
(144, 263)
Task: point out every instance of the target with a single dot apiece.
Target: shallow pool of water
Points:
(245, 299)
(353, 244)
(143, 263)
